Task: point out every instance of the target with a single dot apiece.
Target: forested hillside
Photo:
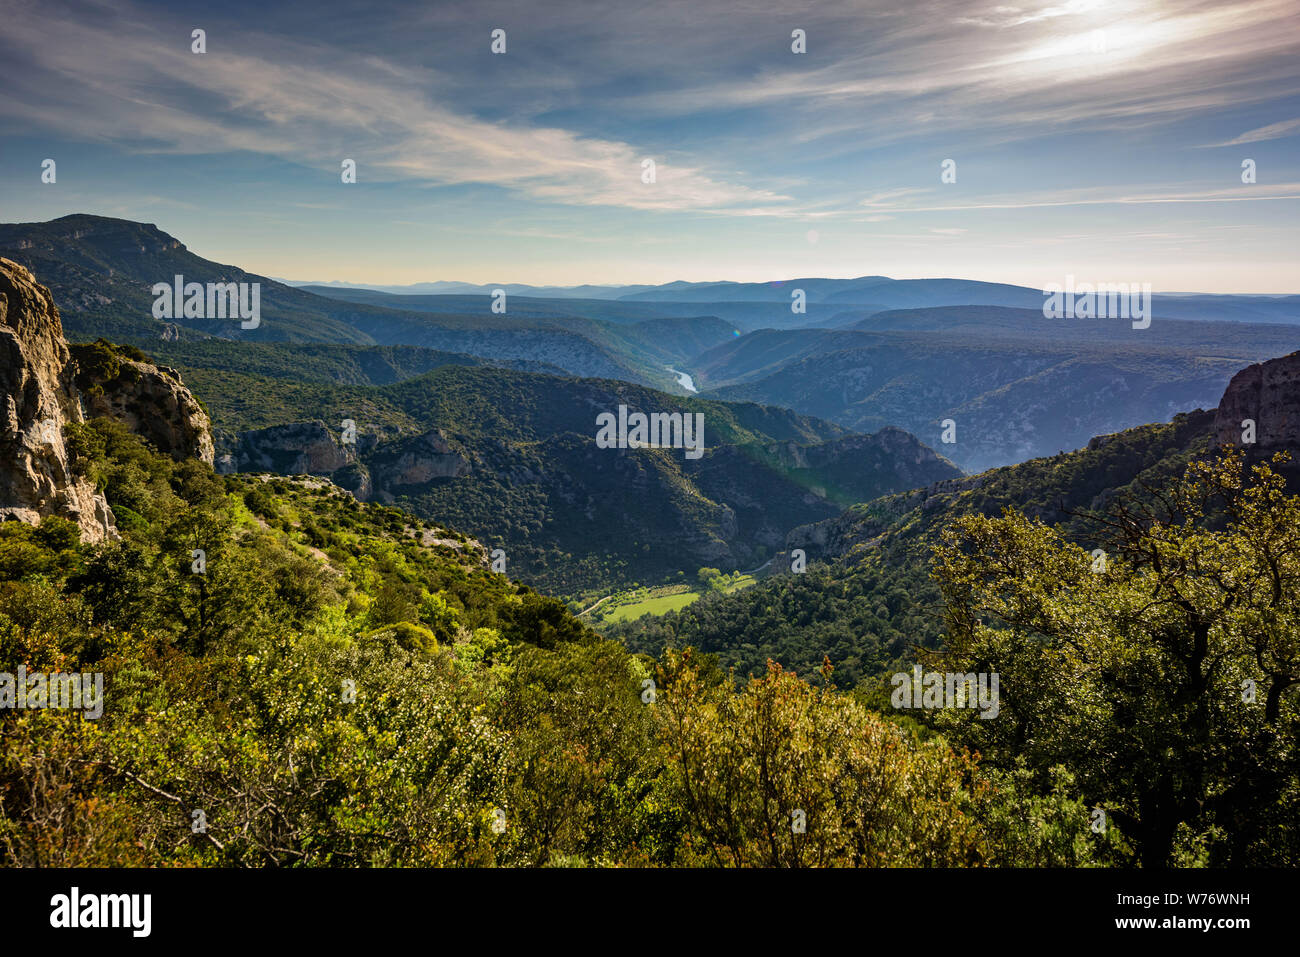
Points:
(867, 600)
(343, 685)
(518, 466)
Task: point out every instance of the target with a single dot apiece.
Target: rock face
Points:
(418, 460)
(355, 478)
(300, 448)
(367, 469)
(152, 402)
(1268, 393)
(39, 397)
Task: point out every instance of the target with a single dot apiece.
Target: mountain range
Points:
(868, 353)
(502, 448)
(484, 420)
(116, 523)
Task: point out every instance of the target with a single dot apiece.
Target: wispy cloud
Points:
(1094, 196)
(1025, 74)
(889, 197)
(1271, 132)
(1090, 108)
(315, 107)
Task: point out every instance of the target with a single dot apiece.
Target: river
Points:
(683, 379)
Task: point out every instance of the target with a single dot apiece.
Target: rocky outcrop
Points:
(1268, 393)
(39, 398)
(355, 478)
(418, 460)
(861, 467)
(299, 448)
(151, 400)
(365, 468)
(910, 460)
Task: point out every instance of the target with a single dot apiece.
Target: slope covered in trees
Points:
(570, 515)
(867, 599)
(341, 685)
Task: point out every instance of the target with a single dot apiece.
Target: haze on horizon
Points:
(1103, 140)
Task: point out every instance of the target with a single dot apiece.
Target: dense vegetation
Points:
(871, 603)
(345, 685)
(571, 518)
(1164, 678)
(484, 723)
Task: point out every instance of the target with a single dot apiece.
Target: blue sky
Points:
(1099, 139)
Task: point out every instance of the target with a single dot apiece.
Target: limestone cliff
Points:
(417, 460)
(151, 400)
(1269, 394)
(366, 468)
(856, 462)
(39, 398)
(299, 448)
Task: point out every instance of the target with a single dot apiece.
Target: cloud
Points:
(737, 125)
(314, 107)
(1271, 132)
(888, 197)
(1115, 196)
(1127, 63)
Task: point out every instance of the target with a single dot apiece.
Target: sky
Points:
(1102, 140)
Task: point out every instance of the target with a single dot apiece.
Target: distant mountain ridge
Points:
(880, 293)
(102, 271)
(868, 353)
(452, 288)
(1015, 384)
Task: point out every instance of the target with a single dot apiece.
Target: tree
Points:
(781, 774)
(1161, 680)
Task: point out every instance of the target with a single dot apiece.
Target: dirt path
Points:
(594, 607)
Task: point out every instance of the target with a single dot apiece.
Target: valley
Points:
(447, 502)
(870, 353)
(637, 445)
(632, 604)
